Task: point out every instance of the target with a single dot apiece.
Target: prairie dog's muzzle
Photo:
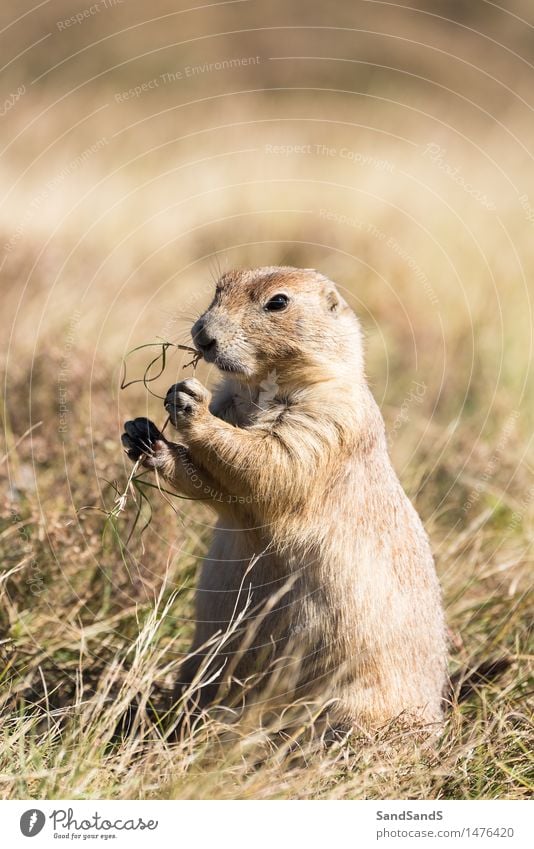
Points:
(203, 339)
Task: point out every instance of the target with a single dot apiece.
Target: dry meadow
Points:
(143, 150)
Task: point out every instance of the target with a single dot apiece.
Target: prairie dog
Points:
(315, 532)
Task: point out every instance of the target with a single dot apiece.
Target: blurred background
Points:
(145, 148)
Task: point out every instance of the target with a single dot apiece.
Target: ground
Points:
(414, 198)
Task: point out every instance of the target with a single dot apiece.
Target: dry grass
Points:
(121, 251)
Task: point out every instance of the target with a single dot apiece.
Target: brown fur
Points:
(315, 533)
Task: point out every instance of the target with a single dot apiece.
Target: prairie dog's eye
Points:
(277, 303)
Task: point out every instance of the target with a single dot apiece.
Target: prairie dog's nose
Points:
(202, 339)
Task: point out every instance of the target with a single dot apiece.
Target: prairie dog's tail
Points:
(467, 681)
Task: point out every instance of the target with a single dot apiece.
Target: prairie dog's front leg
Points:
(143, 441)
(255, 461)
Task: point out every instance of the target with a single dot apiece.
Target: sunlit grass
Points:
(93, 622)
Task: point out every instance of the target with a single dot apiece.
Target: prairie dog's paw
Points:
(185, 401)
(143, 440)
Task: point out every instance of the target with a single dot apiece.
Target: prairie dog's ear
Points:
(332, 300)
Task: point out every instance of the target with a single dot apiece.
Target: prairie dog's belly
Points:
(236, 572)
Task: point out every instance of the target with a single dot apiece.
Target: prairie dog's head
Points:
(290, 320)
